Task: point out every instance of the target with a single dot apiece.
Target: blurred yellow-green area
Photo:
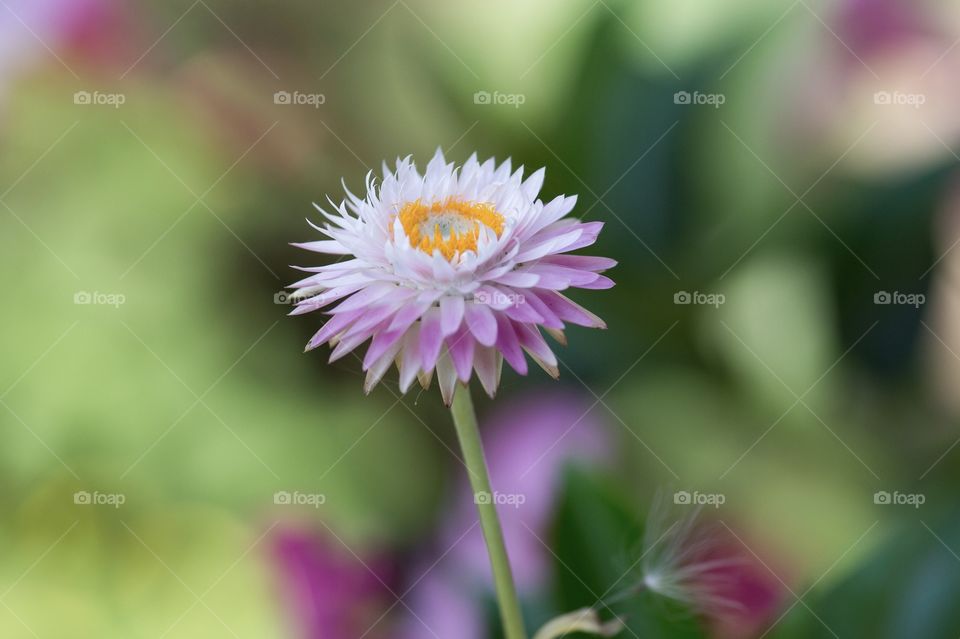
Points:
(778, 181)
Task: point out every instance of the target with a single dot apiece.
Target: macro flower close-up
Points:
(413, 319)
(454, 270)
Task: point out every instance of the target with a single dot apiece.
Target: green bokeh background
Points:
(194, 400)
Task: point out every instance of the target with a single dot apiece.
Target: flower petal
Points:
(408, 314)
(351, 341)
(375, 292)
(382, 342)
(460, 346)
(523, 312)
(431, 338)
(451, 313)
(531, 186)
(602, 282)
(319, 301)
(380, 367)
(446, 377)
(582, 262)
(509, 345)
(334, 326)
(482, 323)
(487, 362)
(550, 319)
(521, 279)
(588, 236)
(410, 357)
(332, 247)
(537, 249)
(537, 348)
(425, 377)
(570, 311)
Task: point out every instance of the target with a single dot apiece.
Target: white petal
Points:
(446, 377)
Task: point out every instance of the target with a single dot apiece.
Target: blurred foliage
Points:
(910, 588)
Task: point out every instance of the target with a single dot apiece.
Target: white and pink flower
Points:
(454, 270)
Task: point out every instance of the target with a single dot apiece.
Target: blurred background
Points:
(779, 182)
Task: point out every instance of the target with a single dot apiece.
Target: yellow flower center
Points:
(450, 226)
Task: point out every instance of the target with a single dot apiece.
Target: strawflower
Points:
(452, 270)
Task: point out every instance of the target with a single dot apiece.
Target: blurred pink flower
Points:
(755, 594)
(32, 31)
(528, 442)
(330, 593)
(758, 594)
(706, 566)
(882, 92)
(100, 32)
(333, 595)
(869, 27)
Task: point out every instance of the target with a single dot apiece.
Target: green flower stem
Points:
(465, 420)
